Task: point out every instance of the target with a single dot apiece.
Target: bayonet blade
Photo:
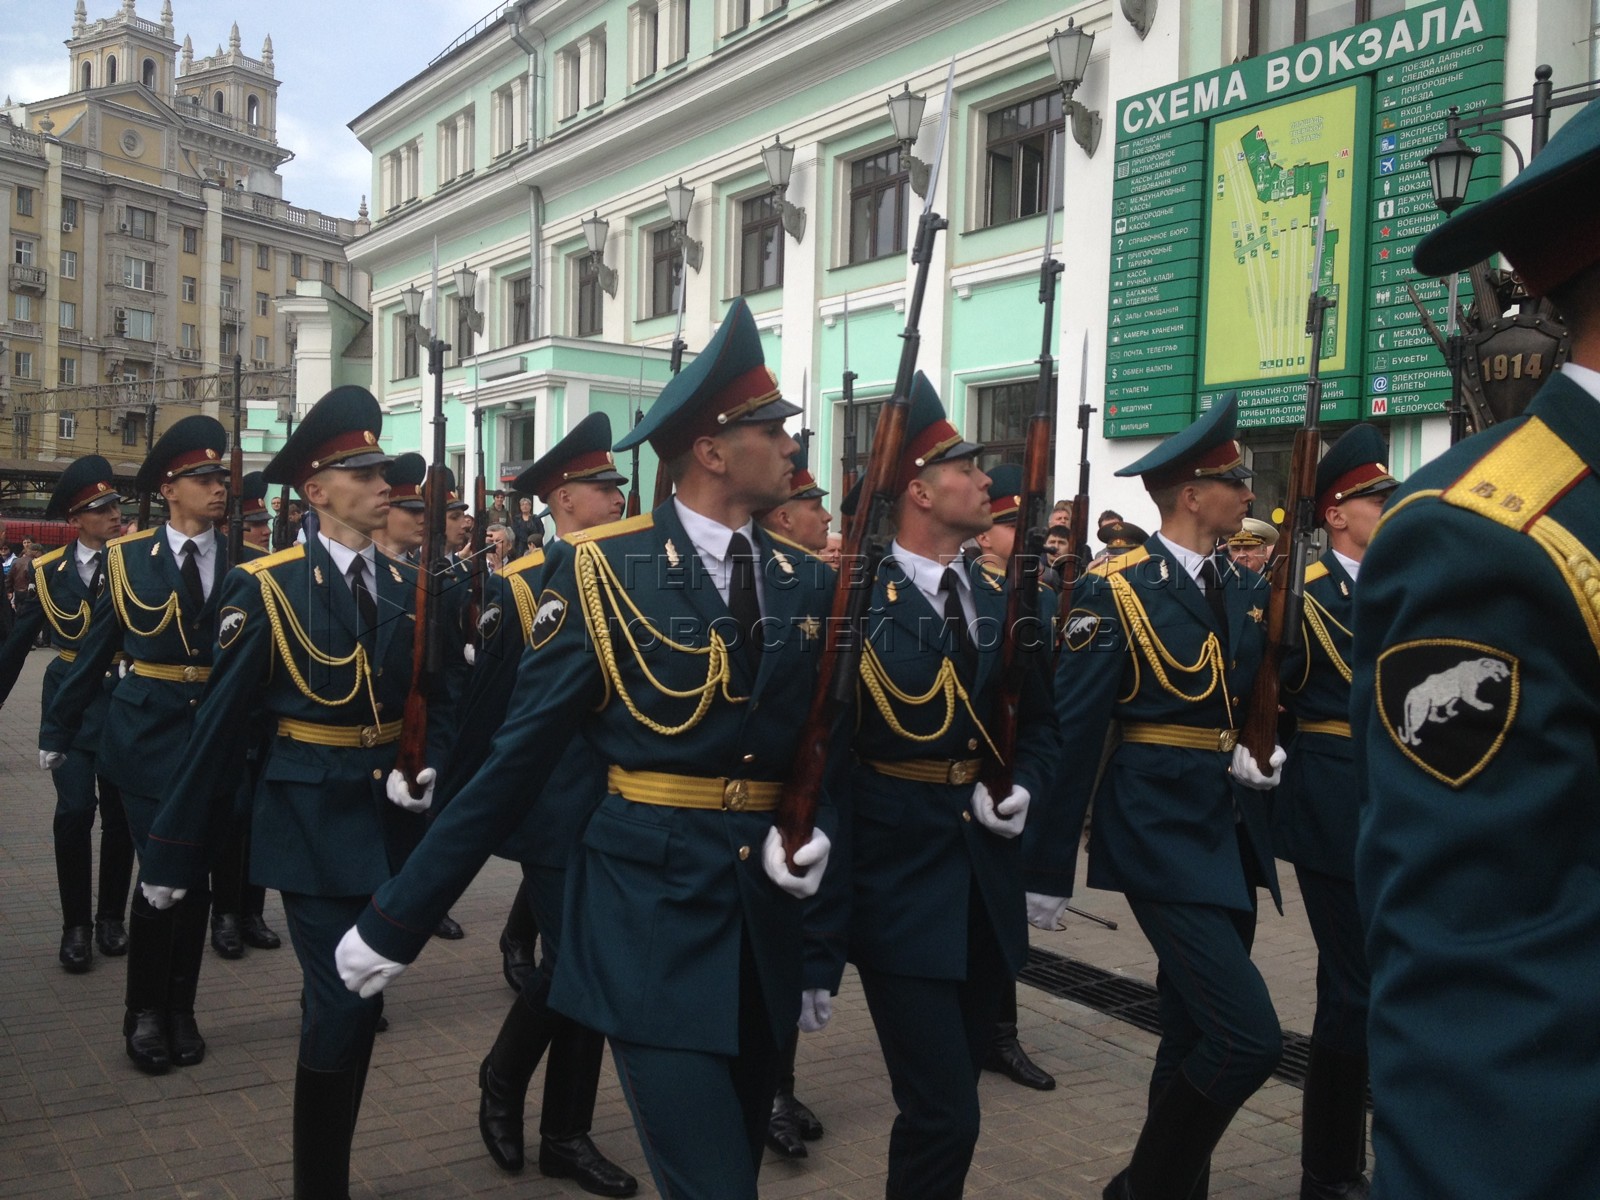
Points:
(1322, 224)
(846, 319)
(944, 130)
(1083, 373)
(1054, 194)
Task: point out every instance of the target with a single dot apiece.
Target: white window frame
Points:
(508, 116)
(676, 17)
(68, 371)
(581, 74)
(263, 305)
(644, 40)
(22, 364)
(66, 426)
(69, 314)
(148, 322)
(139, 274)
(189, 337)
(23, 251)
(69, 264)
(22, 307)
(262, 348)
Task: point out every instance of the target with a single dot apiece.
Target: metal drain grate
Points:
(1134, 1001)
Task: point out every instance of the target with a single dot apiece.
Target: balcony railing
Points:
(27, 279)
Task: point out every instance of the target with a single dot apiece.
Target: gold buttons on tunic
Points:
(972, 743)
(377, 774)
(965, 815)
(744, 853)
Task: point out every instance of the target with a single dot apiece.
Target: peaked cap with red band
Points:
(254, 502)
(583, 456)
(1205, 450)
(1005, 492)
(1544, 221)
(405, 475)
(728, 383)
(191, 446)
(85, 485)
(341, 430)
(930, 438)
(1354, 466)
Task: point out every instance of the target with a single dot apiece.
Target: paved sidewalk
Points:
(76, 1119)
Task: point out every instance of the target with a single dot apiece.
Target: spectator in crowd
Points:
(499, 514)
(524, 526)
(500, 542)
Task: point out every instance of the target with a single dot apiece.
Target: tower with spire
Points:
(122, 48)
(230, 85)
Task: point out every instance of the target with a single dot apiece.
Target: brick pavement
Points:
(76, 1119)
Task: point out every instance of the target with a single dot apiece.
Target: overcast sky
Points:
(334, 59)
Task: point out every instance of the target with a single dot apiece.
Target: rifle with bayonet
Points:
(1023, 639)
(427, 648)
(477, 557)
(236, 472)
(1298, 531)
(847, 467)
(633, 492)
(844, 636)
(663, 482)
(804, 436)
(1077, 556)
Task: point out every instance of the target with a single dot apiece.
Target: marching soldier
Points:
(802, 520)
(579, 481)
(237, 905)
(683, 644)
(317, 639)
(158, 609)
(1475, 717)
(1314, 816)
(935, 904)
(405, 524)
(1166, 640)
(67, 582)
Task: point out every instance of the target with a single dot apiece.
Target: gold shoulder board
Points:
(1119, 564)
(615, 529)
(289, 554)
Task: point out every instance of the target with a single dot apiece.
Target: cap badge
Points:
(211, 454)
(369, 437)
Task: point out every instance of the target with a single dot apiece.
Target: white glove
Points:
(122, 669)
(400, 792)
(470, 652)
(1246, 772)
(1044, 912)
(1005, 818)
(816, 1009)
(363, 969)
(813, 855)
(162, 898)
(49, 760)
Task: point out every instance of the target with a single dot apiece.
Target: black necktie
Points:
(98, 578)
(742, 601)
(190, 570)
(957, 636)
(366, 607)
(1211, 578)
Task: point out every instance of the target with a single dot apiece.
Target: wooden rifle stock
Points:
(1077, 556)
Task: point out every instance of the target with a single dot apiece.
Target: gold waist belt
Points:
(171, 673)
(929, 770)
(693, 791)
(1188, 737)
(1337, 728)
(362, 737)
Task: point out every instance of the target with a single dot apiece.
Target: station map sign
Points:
(1218, 181)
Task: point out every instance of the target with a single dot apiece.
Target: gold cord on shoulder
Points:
(125, 600)
(947, 683)
(284, 622)
(1317, 620)
(58, 617)
(1132, 612)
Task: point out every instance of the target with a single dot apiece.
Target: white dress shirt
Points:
(1189, 559)
(343, 556)
(85, 558)
(1585, 377)
(928, 573)
(711, 540)
(205, 557)
(1352, 566)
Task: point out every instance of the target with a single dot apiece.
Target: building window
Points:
(188, 289)
(69, 371)
(508, 120)
(22, 252)
(327, 272)
(66, 426)
(131, 427)
(141, 224)
(666, 264)
(263, 305)
(69, 264)
(88, 76)
(263, 258)
(69, 315)
(24, 202)
(879, 187)
(1019, 157)
(228, 342)
(263, 349)
(521, 309)
(69, 211)
(140, 324)
(227, 294)
(676, 28)
(401, 171)
(760, 245)
(581, 75)
(217, 101)
(252, 111)
(297, 266)
(227, 249)
(22, 307)
(191, 239)
(1003, 414)
(461, 346)
(644, 34)
(588, 312)
(736, 15)
(455, 146)
(22, 364)
(21, 429)
(139, 273)
(189, 337)
(148, 73)
(111, 68)
(865, 418)
(1275, 24)
(408, 340)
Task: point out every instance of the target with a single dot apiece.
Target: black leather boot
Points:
(517, 941)
(449, 929)
(77, 952)
(149, 966)
(577, 1159)
(783, 1128)
(184, 1042)
(111, 935)
(1333, 1142)
(225, 939)
(503, 1078)
(1007, 1056)
(255, 932)
(1174, 1147)
(323, 1102)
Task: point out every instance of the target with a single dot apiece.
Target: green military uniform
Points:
(294, 649)
(63, 600)
(933, 897)
(677, 945)
(1169, 662)
(158, 611)
(1475, 711)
